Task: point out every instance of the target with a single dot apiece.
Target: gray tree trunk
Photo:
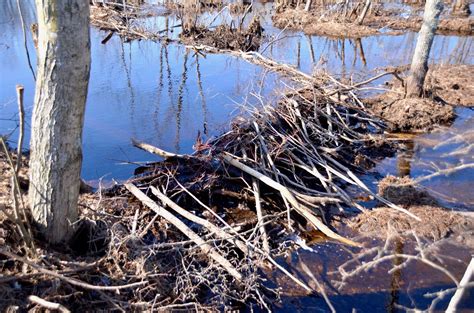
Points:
(419, 64)
(58, 115)
(361, 18)
(308, 4)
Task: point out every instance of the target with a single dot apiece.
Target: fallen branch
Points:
(206, 248)
(154, 150)
(48, 304)
(286, 194)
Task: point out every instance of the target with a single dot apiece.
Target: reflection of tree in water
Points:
(404, 159)
(462, 52)
(396, 278)
(129, 81)
(311, 51)
(179, 106)
(156, 113)
(201, 94)
(361, 51)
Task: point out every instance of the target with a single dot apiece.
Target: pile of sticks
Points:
(285, 165)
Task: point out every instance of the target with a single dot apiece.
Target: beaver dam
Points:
(251, 157)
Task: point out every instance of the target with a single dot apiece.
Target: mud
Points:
(454, 84)
(325, 22)
(435, 222)
(412, 114)
(447, 26)
(402, 191)
(445, 86)
(225, 37)
(315, 25)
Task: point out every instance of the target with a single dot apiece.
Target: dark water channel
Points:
(165, 95)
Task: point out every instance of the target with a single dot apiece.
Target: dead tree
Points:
(361, 18)
(58, 115)
(419, 64)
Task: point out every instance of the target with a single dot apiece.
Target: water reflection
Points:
(144, 89)
(443, 149)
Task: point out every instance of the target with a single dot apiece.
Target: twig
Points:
(291, 199)
(21, 112)
(155, 150)
(47, 304)
(72, 281)
(25, 42)
(258, 208)
(206, 248)
(203, 222)
(453, 304)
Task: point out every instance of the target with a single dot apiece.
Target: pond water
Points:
(165, 94)
(444, 148)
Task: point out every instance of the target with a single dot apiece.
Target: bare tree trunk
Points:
(58, 115)
(361, 18)
(419, 64)
(308, 4)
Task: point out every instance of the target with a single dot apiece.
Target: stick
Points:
(21, 111)
(196, 219)
(206, 248)
(453, 304)
(258, 207)
(154, 150)
(286, 194)
(48, 305)
(72, 281)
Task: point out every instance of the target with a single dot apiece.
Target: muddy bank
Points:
(435, 222)
(453, 84)
(445, 86)
(337, 22)
(313, 23)
(462, 26)
(411, 114)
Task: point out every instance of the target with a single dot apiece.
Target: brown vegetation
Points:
(339, 22)
(445, 86)
(436, 222)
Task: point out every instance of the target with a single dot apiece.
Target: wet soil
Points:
(445, 86)
(323, 22)
(447, 26)
(435, 221)
(313, 24)
(454, 84)
(411, 114)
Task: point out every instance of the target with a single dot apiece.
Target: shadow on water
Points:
(392, 286)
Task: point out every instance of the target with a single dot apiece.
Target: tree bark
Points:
(361, 18)
(58, 115)
(419, 64)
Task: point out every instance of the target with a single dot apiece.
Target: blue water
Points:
(164, 95)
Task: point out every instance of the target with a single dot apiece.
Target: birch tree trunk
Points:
(419, 64)
(58, 115)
